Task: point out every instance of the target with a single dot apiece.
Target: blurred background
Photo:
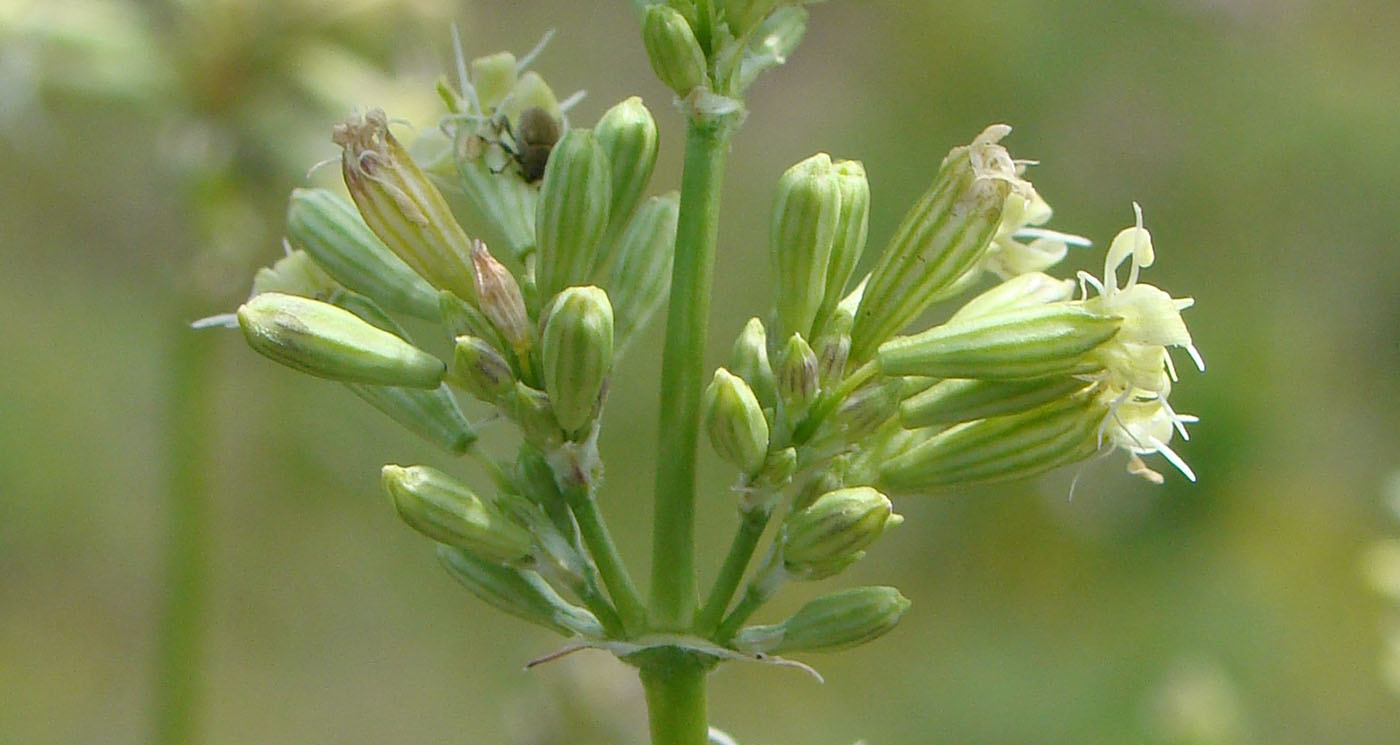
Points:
(146, 150)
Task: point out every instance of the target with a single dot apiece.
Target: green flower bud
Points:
(572, 212)
(779, 467)
(576, 349)
(852, 224)
(481, 370)
(831, 622)
(326, 341)
(742, 15)
(1000, 448)
(832, 532)
(493, 77)
(797, 375)
(738, 431)
(862, 412)
(294, 274)
(506, 201)
(805, 213)
(769, 45)
(749, 360)
(331, 231)
(432, 415)
(518, 592)
(961, 400)
(500, 300)
(627, 135)
(536, 480)
(674, 52)
(940, 239)
(441, 508)
(833, 347)
(530, 409)
(641, 276)
(401, 205)
(1027, 343)
(1021, 291)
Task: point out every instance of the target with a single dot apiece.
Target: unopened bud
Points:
(432, 415)
(498, 295)
(852, 225)
(576, 350)
(572, 212)
(519, 592)
(673, 49)
(803, 227)
(960, 400)
(831, 622)
(627, 135)
(797, 374)
(481, 370)
(1000, 448)
(493, 77)
(865, 410)
(833, 348)
(441, 508)
(749, 360)
(293, 274)
(331, 231)
(530, 409)
(738, 431)
(943, 236)
(833, 531)
(1027, 343)
(461, 319)
(1021, 291)
(641, 276)
(329, 342)
(401, 205)
(742, 15)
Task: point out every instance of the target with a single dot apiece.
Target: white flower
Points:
(1021, 218)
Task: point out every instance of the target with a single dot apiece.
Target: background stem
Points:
(673, 593)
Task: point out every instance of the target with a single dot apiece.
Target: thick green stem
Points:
(673, 592)
(610, 566)
(751, 525)
(674, 683)
(180, 647)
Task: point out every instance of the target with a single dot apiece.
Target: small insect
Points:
(537, 133)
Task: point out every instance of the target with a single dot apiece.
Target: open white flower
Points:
(1010, 256)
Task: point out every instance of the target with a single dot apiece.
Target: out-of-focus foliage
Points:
(1256, 134)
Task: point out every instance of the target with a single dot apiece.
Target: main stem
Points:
(673, 592)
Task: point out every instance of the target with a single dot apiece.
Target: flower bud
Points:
(500, 300)
(530, 92)
(865, 410)
(797, 375)
(576, 349)
(572, 212)
(961, 400)
(769, 44)
(401, 205)
(833, 348)
(742, 15)
(294, 274)
(805, 212)
(1027, 343)
(432, 415)
(831, 622)
(749, 360)
(460, 319)
(833, 531)
(738, 431)
(779, 467)
(1021, 291)
(627, 136)
(641, 276)
(940, 239)
(481, 370)
(852, 224)
(673, 49)
(326, 341)
(536, 481)
(439, 507)
(493, 77)
(1000, 448)
(519, 592)
(331, 231)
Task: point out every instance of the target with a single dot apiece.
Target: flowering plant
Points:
(823, 411)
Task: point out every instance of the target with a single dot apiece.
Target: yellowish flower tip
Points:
(991, 162)
(368, 147)
(1138, 372)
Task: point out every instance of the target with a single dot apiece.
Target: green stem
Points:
(674, 683)
(751, 525)
(762, 587)
(180, 648)
(673, 592)
(610, 566)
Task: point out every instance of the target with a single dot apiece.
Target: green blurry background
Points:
(146, 149)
